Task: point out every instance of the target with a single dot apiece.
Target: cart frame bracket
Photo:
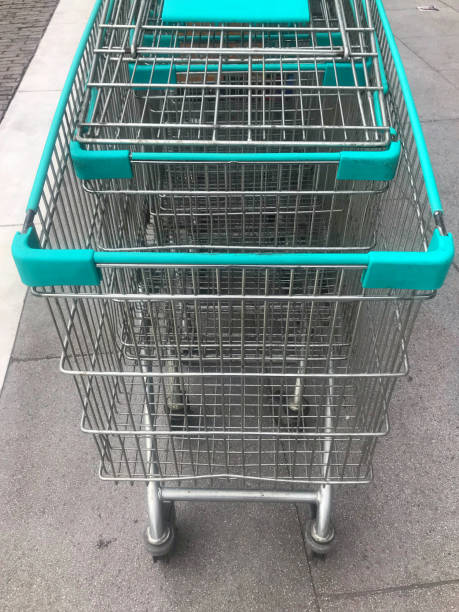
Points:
(92, 165)
(417, 271)
(52, 267)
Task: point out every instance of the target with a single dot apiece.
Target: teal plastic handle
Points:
(369, 165)
(236, 11)
(384, 270)
(424, 271)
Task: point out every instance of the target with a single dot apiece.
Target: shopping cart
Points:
(278, 137)
(237, 373)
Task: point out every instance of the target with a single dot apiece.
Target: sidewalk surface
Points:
(71, 542)
(21, 27)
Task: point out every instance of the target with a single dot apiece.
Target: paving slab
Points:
(440, 54)
(402, 529)
(22, 136)
(21, 27)
(40, 341)
(444, 597)
(72, 542)
(69, 11)
(452, 4)
(429, 24)
(12, 296)
(402, 5)
(53, 58)
(436, 101)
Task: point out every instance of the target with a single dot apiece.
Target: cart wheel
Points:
(318, 549)
(161, 551)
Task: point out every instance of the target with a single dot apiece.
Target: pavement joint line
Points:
(404, 43)
(395, 589)
(440, 120)
(37, 90)
(27, 359)
(3, 385)
(449, 6)
(308, 561)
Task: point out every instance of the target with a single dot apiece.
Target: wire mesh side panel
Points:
(67, 215)
(406, 222)
(241, 386)
(204, 86)
(234, 206)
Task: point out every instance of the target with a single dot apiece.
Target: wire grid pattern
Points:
(213, 375)
(228, 320)
(100, 333)
(212, 87)
(258, 206)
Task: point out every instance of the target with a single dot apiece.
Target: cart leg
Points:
(319, 531)
(160, 531)
(322, 529)
(157, 530)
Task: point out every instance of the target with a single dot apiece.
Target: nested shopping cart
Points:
(235, 296)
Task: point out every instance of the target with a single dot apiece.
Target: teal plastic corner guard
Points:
(108, 164)
(236, 11)
(418, 271)
(369, 165)
(39, 267)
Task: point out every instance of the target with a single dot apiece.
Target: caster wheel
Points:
(294, 419)
(161, 551)
(318, 549)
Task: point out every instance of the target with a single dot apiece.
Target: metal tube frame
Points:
(322, 530)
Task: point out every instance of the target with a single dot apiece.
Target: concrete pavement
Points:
(71, 542)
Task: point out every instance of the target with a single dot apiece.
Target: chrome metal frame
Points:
(238, 86)
(192, 377)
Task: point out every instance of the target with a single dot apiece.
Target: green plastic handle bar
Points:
(370, 165)
(231, 11)
(384, 269)
(424, 271)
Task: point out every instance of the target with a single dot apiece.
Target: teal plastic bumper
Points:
(423, 271)
(236, 11)
(384, 270)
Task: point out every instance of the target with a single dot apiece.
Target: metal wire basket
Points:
(233, 372)
(218, 87)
